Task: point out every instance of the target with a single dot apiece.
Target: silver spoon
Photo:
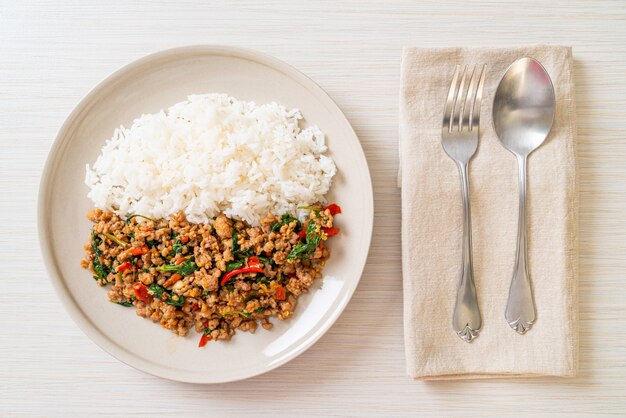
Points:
(523, 113)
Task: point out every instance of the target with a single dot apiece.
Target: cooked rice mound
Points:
(212, 154)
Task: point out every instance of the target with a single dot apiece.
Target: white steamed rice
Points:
(212, 154)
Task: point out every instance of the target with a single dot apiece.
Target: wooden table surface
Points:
(53, 53)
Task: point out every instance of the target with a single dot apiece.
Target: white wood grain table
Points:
(53, 52)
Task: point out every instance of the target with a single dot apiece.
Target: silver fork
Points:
(459, 137)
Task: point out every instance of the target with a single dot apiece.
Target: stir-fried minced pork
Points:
(215, 277)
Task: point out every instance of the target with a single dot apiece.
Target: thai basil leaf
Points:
(304, 250)
(100, 269)
(286, 219)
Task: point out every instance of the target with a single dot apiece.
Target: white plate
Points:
(146, 86)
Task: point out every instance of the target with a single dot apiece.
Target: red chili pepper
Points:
(172, 280)
(280, 293)
(140, 250)
(204, 339)
(184, 239)
(253, 266)
(242, 270)
(254, 261)
(333, 208)
(179, 260)
(141, 292)
(331, 231)
(125, 266)
(302, 234)
(195, 306)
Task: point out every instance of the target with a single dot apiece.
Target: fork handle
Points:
(466, 320)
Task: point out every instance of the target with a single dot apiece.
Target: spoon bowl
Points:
(524, 107)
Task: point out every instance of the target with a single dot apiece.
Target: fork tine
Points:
(447, 113)
(458, 104)
(466, 117)
(479, 97)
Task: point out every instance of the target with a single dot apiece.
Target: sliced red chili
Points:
(253, 266)
(331, 231)
(184, 239)
(179, 260)
(333, 208)
(172, 280)
(242, 270)
(125, 266)
(204, 339)
(141, 292)
(254, 261)
(280, 293)
(140, 250)
(302, 234)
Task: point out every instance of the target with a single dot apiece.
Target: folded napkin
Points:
(432, 225)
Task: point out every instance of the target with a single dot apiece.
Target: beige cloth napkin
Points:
(432, 225)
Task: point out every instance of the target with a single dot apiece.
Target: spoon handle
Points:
(466, 320)
(520, 308)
